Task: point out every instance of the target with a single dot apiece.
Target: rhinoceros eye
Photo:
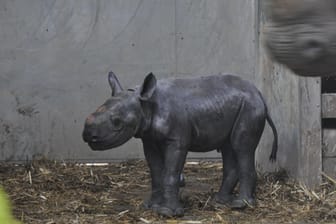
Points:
(116, 123)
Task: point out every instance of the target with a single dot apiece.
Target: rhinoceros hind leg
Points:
(230, 175)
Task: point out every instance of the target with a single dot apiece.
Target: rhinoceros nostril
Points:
(312, 48)
(90, 135)
(313, 44)
(94, 138)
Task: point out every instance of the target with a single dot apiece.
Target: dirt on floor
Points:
(53, 192)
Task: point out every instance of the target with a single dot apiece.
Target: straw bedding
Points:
(50, 192)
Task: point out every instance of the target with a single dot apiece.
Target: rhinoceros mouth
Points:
(111, 141)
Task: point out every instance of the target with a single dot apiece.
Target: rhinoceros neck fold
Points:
(145, 120)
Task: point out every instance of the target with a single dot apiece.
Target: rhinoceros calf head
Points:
(119, 118)
(302, 35)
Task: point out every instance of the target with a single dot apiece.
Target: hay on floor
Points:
(54, 192)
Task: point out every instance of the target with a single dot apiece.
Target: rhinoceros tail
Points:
(275, 140)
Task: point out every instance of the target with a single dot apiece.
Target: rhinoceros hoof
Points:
(242, 203)
(148, 204)
(168, 212)
(223, 200)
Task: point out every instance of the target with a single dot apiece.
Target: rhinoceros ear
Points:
(148, 87)
(114, 83)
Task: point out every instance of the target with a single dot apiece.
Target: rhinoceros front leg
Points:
(154, 158)
(174, 159)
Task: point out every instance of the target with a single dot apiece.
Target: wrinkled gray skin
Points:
(301, 34)
(174, 116)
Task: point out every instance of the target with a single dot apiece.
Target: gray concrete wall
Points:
(55, 56)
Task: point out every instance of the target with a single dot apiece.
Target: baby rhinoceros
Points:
(174, 116)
